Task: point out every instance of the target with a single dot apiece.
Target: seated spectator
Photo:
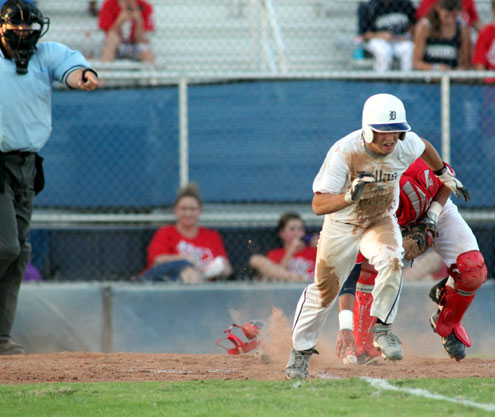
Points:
(185, 251)
(441, 40)
(125, 23)
(469, 13)
(386, 27)
(295, 260)
(484, 50)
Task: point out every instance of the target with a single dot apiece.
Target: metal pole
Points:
(277, 34)
(183, 133)
(445, 103)
(107, 339)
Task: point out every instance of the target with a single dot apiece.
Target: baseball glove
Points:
(417, 239)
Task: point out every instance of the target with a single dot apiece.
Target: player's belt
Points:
(39, 178)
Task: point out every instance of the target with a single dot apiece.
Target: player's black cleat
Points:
(433, 320)
(437, 291)
(454, 347)
(451, 344)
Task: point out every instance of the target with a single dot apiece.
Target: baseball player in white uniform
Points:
(357, 189)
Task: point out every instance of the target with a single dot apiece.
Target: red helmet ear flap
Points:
(251, 331)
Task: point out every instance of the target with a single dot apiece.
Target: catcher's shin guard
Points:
(363, 321)
(469, 274)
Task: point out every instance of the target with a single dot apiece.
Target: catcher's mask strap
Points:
(251, 330)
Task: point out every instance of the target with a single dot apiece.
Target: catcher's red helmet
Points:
(252, 330)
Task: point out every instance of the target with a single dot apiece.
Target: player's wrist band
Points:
(435, 208)
(86, 70)
(440, 171)
(433, 212)
(346, 320)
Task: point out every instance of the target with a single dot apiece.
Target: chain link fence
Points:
(247, 99)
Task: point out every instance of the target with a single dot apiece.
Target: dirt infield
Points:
(95, 367)
(275, 346)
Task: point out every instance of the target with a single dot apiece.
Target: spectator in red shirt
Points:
(484, 59)
(125, 23)
(186, 251)
(295, 261)
(484, 51)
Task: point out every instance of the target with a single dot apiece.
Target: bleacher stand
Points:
(226, 37)
(235, 36)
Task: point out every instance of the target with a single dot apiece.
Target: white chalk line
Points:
(384, 385)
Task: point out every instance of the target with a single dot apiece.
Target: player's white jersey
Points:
(347, 158)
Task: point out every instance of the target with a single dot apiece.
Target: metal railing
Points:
(240, 214)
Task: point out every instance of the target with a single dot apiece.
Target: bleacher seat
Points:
(224, 36)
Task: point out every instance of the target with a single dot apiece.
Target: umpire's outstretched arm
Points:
(83, 79)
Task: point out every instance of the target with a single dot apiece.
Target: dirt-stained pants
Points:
(338, 247)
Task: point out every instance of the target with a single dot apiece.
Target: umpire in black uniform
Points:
(27, 71)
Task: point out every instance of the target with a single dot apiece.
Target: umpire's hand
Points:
(83, 79)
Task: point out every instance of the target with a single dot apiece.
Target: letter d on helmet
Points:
(384, 113)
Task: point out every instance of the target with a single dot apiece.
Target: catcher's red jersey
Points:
(418, 187)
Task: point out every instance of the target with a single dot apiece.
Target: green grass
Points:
(345, 397)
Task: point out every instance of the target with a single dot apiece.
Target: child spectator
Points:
(186, 251)
(386, 27)
(295, 261)
(125, 23)
(441, 40)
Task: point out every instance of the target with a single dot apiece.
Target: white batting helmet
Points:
(384, 113)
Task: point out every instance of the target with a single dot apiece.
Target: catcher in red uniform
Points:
(424, 208)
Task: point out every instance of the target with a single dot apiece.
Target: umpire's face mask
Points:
(22, 26)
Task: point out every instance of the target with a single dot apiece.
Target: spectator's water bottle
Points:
(358, 53)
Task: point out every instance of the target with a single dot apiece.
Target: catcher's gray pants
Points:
(16, 206)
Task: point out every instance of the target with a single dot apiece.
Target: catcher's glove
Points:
(417, 239)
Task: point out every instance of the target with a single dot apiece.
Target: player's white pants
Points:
(455, 236)
(338, 247)
(384, 52)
